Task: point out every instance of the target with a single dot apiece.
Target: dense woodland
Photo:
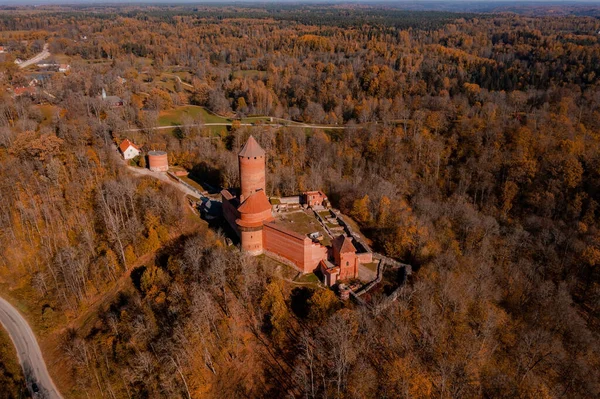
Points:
(11, 375)
(471, 151)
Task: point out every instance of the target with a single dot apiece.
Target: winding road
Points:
(29, 353)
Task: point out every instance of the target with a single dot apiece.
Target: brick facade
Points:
(297, 248)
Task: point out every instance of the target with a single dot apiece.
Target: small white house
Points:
(129, 150)
(64, 68)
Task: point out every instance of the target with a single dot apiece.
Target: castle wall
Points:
(230, 214)
(348, 266)
(365, 257)
(298, 249)
(313, 253)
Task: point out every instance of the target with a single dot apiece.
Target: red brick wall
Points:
(299, 250)
(252, 175)
(230, 214)
(313, 253)
(158, 163)
(252, 241)
(365, 257)
(348, 266)
(257, 217)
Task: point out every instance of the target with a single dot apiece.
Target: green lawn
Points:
(371, 266)
(175, 116)
(192, 183)
(308, 278)
(325, 214)
(168, 85)
(302, 223)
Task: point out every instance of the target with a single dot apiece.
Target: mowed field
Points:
(176, 116)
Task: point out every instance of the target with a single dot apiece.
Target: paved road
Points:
(37, 58)
(28, 350)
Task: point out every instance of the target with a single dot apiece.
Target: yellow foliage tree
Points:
(130, 256)
(360, 210)
(274, 304)
(322, 304)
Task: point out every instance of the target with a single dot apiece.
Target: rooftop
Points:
(343, 244)
(125, 145)
(302, 223)
(252, 149)
(255, 203)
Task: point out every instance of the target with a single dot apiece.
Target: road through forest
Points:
(37, 58)
(28, 351)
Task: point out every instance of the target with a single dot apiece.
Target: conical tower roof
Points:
(252, 149)
(255, 203)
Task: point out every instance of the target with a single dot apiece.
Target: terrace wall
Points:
(365, 257)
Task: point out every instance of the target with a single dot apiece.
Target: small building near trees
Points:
(129, 150)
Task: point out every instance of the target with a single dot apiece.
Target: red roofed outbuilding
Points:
(344, 255)
(128, 149)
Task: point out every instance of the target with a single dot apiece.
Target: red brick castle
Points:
(250, 214)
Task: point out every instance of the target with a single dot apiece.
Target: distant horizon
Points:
(299, 2)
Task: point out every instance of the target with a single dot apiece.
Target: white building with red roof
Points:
(129, 150)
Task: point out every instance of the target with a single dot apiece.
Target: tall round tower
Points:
(252, 168)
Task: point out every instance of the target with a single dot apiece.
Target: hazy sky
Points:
(429, 3)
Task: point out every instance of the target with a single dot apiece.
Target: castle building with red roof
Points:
(250, 214)
(247, 212)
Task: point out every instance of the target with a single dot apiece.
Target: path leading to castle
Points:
(162, 176)
(28, 351)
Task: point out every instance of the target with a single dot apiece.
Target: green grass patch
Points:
(307, 278)
(192, 198)
(302, 223)
(256, 119)
(371, 266)
(175, 116)
(168, 85)
(61, 58)
(325, 214)
(192, 183)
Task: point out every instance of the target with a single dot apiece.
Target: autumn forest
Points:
(465, 145)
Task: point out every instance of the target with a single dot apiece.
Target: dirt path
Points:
(37, 58)
(164, 178)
